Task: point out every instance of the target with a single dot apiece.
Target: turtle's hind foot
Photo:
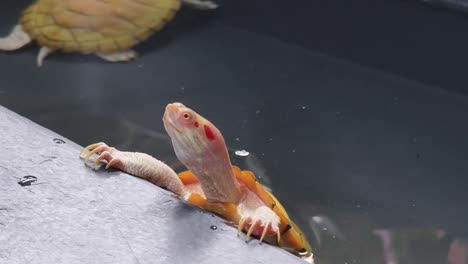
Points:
(17, 39)
(262, 222)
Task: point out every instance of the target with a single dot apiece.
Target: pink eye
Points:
(186, 116)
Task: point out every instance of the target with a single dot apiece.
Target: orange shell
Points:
(90, 26)
(291, 235)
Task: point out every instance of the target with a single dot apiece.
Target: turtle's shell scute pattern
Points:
(90, 26)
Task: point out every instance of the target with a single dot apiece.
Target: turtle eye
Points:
(186, 116)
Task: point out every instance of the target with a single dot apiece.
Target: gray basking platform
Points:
(54, 209)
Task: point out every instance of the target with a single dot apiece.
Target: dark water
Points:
(371, 165)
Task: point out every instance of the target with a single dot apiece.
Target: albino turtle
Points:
(106, 28)
(211, 182)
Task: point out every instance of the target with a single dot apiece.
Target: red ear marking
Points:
(209, 134)
(196, 124)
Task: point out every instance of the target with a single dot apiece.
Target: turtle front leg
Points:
(261, 221)
(202, 5)
(17, 39)
(135, 163)
(118, 56)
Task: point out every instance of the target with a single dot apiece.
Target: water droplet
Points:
(258, 112)
(238, 139)
(59, 141)
(182, 88)
(213, 227)
(293, 151)
(242, 153)
(140, 66)
(304, 107)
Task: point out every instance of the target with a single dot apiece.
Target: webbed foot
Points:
(261, 222)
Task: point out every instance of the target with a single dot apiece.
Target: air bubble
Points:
(242, 153)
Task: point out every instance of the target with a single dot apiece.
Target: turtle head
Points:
(196, 140)
(200, 146)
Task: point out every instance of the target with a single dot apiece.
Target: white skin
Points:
(200, 146)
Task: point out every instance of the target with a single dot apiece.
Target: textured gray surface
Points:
(75, 215)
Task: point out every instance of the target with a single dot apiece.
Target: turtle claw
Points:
(241, 226)
(104, 156)
(261, 222)
(251, 229)
(100, 149)
(278, 236)
(90, 147)
(259, 228)
(113, 162)
(105, 153)
(265, 231)
(260, 225)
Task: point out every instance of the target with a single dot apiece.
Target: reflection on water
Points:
(414, 246)
(360, 244)
(349, 238)
(458, 252)
(337, 236)
(422, 246)
(321, 226)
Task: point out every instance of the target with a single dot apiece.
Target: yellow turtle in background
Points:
(106, 28)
